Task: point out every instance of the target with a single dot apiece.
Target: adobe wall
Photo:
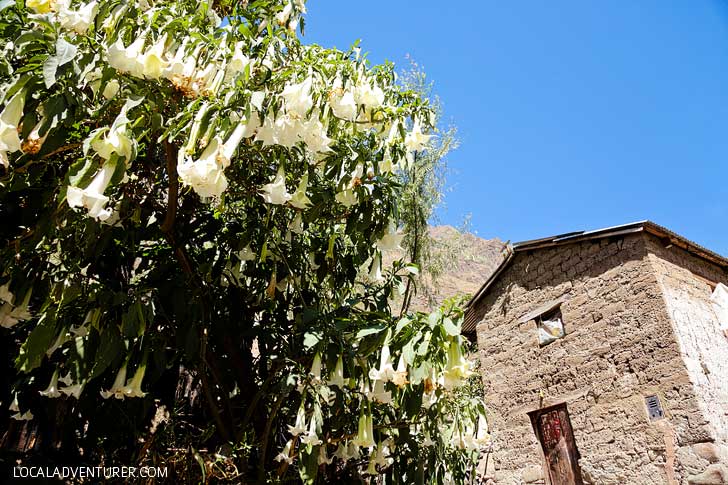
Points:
(686, 284)
(619, 348)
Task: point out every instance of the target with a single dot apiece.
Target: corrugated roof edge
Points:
(573, 237)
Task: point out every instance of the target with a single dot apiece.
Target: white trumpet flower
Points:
(9, 120)
(365, 433)
(76, 20)
(299, 427)
(415, 140)
(337, 376)
(153, 61)
(299, 199)
(378, 393)
(323, 458)
(237, 63)
(400, 375)
(133, 387)
(275, 192)
(117, 388)
(391, 240)
(92, 197)
(205, 175)
(342, 102)
(10, 315)
(368, 95)
(127, 59)
(385, 373)
(457, 367)
(311, 438)
(297, 97)
(375, 273)
(52, 390)
(285, 454)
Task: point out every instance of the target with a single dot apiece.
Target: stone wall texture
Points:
(638, 322)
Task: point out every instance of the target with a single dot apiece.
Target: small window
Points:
(550, 326)
(654, 408)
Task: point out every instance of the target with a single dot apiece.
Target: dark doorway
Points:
(553, 430)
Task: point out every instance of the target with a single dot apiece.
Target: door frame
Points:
(569, 436)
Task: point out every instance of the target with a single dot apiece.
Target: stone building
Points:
(604, 357)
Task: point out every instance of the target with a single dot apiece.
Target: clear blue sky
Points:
(572, 115)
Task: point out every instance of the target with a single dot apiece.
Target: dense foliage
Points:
(194, 206)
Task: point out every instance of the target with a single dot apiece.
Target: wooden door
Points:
(553, 430)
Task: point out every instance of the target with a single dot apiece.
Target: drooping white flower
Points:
(76, 20)
(365, 432)
(117, 388)
(313, 133)
(299, 199)
(116, 138)
(399, 378)
(375, 273)
(342, 102)
(92, 197)
(386, 370)
(297, 97)
(39, 6)
(127, 59)
(283, 16)
(379, 394)
(347, 197)
(311, 438)
(10, 315)
(368, 95)
(315, 371)
(9, 120)
(133, 387)
(457, 367)
(415, 140)
(299, 427)
(391, 240)
(323, 458)
(337, 375)
(72, 389)
(275, 192)
(427, 441)
(5, 294)
(34, 141)
(52, 390)
(285, 454)
(153, 60)
(206, 175)
(237, 63)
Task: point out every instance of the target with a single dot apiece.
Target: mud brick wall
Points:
(620, 346)
(687, 284)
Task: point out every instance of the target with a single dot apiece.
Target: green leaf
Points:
(49, 71)
(422, 348)
(403, 322)
(369, 331)
(33, 350)
(451, 328)
(309, 468)
(109, 349)
(65, 52)
(310, 339)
